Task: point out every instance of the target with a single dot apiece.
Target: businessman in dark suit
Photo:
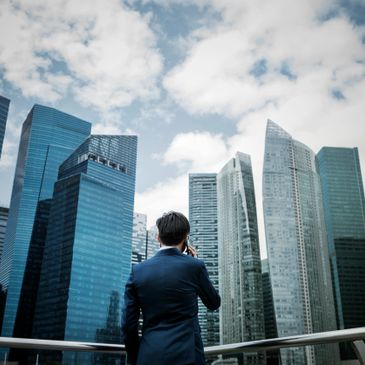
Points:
(165, 288)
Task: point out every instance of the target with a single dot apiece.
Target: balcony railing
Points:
(355, 336)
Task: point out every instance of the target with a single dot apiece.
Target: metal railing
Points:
(354, 335)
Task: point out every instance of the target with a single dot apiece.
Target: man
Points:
(166, 288)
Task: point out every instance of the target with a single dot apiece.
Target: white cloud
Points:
(187, 153)
(215, 76)
(103, 51)
(169, 195)
(320, 57)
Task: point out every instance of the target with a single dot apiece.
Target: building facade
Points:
(272, 357)
(343, 196)
(203, 217)
(48, 137)
(4, 109)
(87, 254)
(4, 212)
(139, 238)
(152, 242)
(297, 246)
(240, 283)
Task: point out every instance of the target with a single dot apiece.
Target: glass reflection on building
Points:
(48, 137)
(240, 282)
(297, 246)
(343, 196)
(87, 255)
(203, 217)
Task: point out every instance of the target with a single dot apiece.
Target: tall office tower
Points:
(152, 242)
(87, 254)
(48, 137)
(272, 357)
(343, 196)
(139, 238)
(4, 212)
(240, 283)
(203, 217)
(4, 108)
(297, 246)
(3, 223)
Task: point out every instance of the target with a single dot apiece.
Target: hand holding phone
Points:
(189, 250)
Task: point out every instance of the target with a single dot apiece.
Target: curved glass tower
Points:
(297, 246)
(240, 282)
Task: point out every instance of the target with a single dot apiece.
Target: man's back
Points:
(165, 288)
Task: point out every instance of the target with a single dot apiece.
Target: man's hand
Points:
(192, 251)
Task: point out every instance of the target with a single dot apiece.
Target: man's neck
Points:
(179, 246)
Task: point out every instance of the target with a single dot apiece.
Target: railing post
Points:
(359, 347)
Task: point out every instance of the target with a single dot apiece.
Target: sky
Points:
(195, 80)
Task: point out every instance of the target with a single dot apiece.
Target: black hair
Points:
(173, 227)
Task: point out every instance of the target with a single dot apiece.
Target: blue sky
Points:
(195, 80)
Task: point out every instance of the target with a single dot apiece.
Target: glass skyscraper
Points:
(152, 242)
(139, 238)
(4, 108)
(87, 254)
(4, 212)
(343, 196)
(3, 223)
(203, 217)
(48, 137)
(297, 246)
(240, 282)
(272, 357)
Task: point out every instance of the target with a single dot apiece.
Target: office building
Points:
(48, 137)
(152, 242)
(240, 282)
(3, 223)
(4, 109)
(297, 246)
(139, 238)
(87, 254)
(272, 357)
(343, 196)
(203, 217)
(4, 212)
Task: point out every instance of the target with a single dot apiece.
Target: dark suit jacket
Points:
(166, 288)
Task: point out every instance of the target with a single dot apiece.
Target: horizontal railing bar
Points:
(27, 343)
(351, 334)
(318, 338)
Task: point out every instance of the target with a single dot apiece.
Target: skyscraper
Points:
(270, 323)
(152, 242)
(87, 254)
(203, 217)
(4, 212)
(48, 137)
(272, 357)
(240, 284)
(297, 246)
(343, 196)
(3, 223)
(4, 108)
(139, 238)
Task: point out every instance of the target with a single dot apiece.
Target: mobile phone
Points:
(186, 247)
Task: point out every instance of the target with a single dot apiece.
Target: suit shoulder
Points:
(194, 261)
